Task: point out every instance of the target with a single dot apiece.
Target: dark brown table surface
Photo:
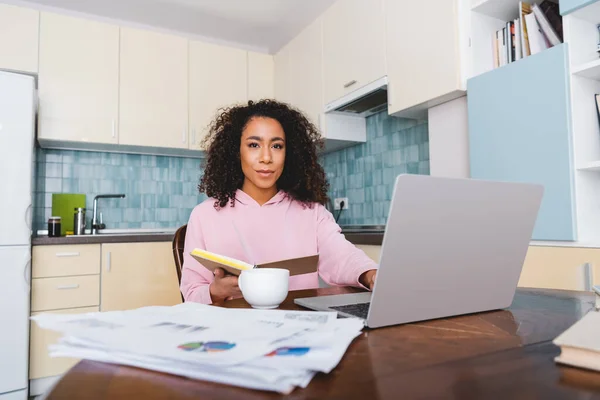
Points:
(505, 354)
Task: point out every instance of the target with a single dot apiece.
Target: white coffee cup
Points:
(264, 288)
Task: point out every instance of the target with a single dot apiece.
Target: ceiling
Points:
(261, 25)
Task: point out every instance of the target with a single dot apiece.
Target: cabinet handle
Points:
(183, 132)
(73, 254)
(194, 135)
(27, 273)
(352, 82)
(114, 129)
(108, 261)
(63, 287)
(28, 216)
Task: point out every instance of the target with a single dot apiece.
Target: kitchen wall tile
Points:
(366, 173)
(148, 183)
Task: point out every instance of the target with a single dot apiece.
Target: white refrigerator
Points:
(17, 121)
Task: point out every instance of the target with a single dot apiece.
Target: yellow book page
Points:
(230, 262)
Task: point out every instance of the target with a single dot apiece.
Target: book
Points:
(545, 26)
(296, 266)
(524, 9)
(537, 40)
(552, 12)
(580, 344)
(519, 47)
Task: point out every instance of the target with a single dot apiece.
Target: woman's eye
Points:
(278, 146)
(253, 145)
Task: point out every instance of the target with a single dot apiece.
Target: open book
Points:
(296, 266)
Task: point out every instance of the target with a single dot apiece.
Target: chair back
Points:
(178, 245)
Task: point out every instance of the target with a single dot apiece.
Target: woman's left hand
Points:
(367, 278)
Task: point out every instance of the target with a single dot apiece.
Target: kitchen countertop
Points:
(356, 234)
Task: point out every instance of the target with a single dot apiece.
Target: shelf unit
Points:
(581, 34)
(591, 167)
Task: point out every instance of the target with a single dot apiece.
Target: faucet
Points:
(95, 224)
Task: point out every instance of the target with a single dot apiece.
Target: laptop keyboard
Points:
(360, 310)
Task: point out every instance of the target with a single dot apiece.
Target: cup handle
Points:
(240, 280)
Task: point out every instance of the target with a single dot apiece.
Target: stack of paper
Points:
(268, 350)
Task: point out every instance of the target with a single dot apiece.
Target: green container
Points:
(64, 205)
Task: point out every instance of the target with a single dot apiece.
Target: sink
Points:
(129, 232)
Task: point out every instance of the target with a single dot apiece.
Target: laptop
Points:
(451, 246)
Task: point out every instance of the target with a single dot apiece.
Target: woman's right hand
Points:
(223, 287)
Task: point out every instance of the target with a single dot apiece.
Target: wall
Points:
(365, 173)
(449, 139)
(160, 191)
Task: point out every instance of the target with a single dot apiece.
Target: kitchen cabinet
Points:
(137, 275)
(153, 93)
(283, 75)
(78, 80)
(306, 78)
(520, 131)
(218, 78)
(422, 52)
(41, 365)
(354, 45)
(19, 28)
(568, 268)
(261, 76)
(65, 280)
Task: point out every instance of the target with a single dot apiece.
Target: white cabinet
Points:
(306, 78)
(283, 75)
(218, 78)
(153, 95)
(78, 80)
(19, 38)
(423, 55)
(261, 76)
(354, 45)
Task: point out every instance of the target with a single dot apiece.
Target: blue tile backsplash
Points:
(162, 191)
(365, 173)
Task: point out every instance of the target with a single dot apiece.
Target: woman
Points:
(267, 191)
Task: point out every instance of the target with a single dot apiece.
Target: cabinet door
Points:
(19, 29)
(78, 79)
(520, 131)
(218, 78)
(423, 59)
(137, 275)
(153, 95)
(353, 45)
(261, 76)
(41, 365)
(283, 75)
(567, 268)
(306, 77)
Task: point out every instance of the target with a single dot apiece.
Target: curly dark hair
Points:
(303, 178)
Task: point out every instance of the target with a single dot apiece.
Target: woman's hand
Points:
(367, 279)
(223, 287)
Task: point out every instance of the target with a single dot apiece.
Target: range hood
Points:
(367, 100)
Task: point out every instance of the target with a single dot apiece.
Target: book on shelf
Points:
(537, 28)
(580, 344)
(212, 261)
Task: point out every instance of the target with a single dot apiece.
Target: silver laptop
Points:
(451, 247)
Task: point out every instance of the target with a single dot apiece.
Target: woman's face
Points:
(262, 153)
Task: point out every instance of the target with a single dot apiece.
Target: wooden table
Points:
(504, 354)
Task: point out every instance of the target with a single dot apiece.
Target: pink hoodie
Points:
(279, 229)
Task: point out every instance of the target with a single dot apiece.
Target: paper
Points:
(267, 350)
